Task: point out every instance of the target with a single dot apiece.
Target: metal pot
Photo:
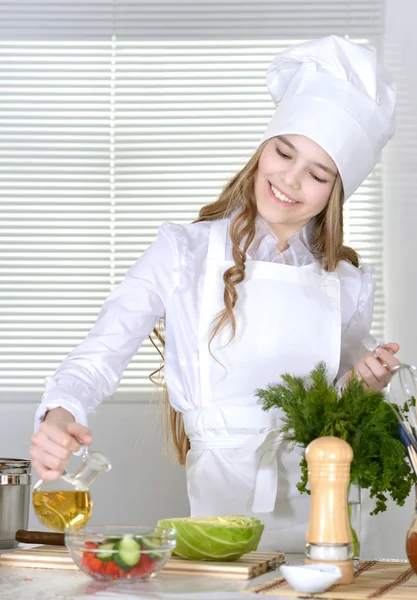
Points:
(15, 480)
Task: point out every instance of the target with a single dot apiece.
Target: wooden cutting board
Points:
(374, 579)
(57, 557)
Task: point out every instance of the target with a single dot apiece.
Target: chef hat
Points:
(336, 93)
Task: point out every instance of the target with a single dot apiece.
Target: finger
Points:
(386, 357)
(44, 473)
(42, 441)
(80, 433)
(359, 375)
(46, 459)
(59, 435)
(378, 370)
(392, 346)
(367, 376)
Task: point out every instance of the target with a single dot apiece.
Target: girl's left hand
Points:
(374, 367)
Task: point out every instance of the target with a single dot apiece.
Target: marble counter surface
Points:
(46, 584)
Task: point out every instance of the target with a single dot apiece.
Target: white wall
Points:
(401, 181)
(400, 216)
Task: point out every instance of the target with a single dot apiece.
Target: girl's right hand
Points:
(54, 442)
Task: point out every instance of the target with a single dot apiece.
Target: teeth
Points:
(280, 196)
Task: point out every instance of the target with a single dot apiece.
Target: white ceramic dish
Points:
(311, 579)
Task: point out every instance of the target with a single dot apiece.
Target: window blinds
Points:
(116, 116)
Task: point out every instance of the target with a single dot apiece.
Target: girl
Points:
(259, 285)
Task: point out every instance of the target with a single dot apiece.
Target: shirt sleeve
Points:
(94, 369)
(357, 305)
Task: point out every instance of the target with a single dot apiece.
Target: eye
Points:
(318, 178)
(282, 153)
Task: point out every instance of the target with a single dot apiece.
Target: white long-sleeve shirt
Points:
(168, 281)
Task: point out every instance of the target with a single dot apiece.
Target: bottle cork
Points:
(329, 460)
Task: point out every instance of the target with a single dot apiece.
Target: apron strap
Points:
(218, 240)
(215, 255)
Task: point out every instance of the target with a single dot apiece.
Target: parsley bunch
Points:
(360, 417)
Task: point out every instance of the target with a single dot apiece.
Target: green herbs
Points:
(361, 417)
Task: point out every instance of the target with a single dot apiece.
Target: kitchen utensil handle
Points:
(40, 537)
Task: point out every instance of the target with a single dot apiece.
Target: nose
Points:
(290, 176)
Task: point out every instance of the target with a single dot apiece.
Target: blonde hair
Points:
(238, 196)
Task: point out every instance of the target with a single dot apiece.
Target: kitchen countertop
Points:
(46, 584)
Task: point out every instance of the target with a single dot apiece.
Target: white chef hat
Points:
(336, 93)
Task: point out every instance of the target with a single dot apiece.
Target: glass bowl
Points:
(120, 552)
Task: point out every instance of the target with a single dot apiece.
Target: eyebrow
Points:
(316, 164)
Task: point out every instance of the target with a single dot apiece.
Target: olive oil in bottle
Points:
(61, 510)
(66, 503)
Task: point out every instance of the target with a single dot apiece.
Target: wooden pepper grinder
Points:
(329, 537)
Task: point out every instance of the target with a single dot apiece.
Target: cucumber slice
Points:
(120, 563)
(105, 551)
(128, 553)
(152, 544)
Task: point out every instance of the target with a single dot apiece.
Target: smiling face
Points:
(294, 180)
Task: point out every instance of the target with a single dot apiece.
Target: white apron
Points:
(287, 320)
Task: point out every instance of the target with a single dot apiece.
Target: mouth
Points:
(280, 197)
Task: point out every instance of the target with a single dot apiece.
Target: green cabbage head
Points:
(215, 538)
